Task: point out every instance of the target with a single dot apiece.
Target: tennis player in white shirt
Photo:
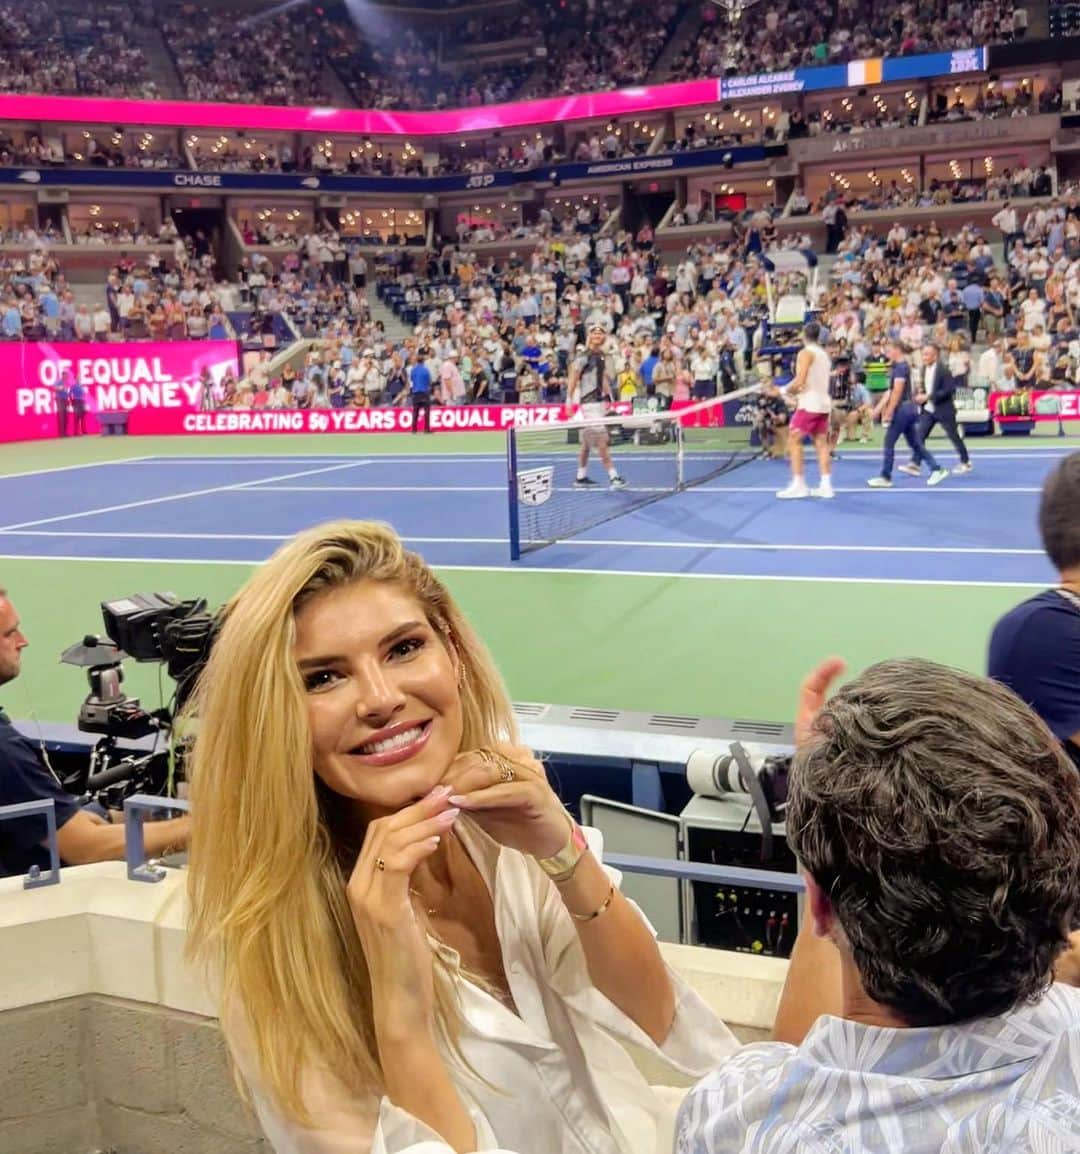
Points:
(810, 387)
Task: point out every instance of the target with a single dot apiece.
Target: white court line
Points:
(284, 459)
(71, 468)
(163, 500)
(539, 572)
(366, 459)
(435, 487)
(1049, 453)
(232, 536)
(743, 546)
(573, 543)
(907, 490)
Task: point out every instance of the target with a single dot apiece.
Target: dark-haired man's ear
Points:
(1067, 967)
(819, 909)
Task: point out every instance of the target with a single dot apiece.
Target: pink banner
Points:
(155, 382)
(1034, 405)
(363, 122)
(703, 415)
(158, 386)
(446, 419)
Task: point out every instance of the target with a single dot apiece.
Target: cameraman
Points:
(1035, 648)
(81, 837)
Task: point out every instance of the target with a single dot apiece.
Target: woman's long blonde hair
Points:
(268, 867)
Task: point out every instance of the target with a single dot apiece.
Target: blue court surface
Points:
(974, 529)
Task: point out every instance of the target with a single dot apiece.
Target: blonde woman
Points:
(417, 950)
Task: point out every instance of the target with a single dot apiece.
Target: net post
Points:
(512, 493)
(680, 459)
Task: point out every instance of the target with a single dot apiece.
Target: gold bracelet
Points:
(562, 866)
(597, 912)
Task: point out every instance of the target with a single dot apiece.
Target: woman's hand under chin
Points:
(505, 790)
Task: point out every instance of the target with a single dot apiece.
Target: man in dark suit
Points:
(937, 398)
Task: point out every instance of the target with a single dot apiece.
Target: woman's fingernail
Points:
(448, 816)
(459, 800)
(439, 792)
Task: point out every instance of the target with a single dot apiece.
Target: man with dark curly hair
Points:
(937, 823)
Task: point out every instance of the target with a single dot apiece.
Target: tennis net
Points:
(654, 453)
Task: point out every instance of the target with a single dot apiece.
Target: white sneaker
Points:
(879, 483)
(912, 470)
(795, 491)
(965, 467)
(824, 490)
(937, 476)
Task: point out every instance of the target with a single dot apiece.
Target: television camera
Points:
(145, 627)
(747, 769)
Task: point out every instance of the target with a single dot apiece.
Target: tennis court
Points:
(708, 600)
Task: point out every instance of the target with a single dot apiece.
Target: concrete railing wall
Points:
(109, 1040)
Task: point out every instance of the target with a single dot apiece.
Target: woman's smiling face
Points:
(382, 694)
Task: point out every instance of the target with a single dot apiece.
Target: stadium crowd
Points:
(777, 35)
(993, 103)
(579, 45)
(29, 148)
(403, 70)
(509, 330)
(608, 46)
(675, 327)
(273, 60)
(48, 46)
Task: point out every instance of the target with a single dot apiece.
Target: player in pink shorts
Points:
(810, 386)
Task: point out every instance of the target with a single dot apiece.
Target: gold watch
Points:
(561, 867)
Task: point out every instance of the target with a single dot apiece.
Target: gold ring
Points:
(380, 865)
(500, 762)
